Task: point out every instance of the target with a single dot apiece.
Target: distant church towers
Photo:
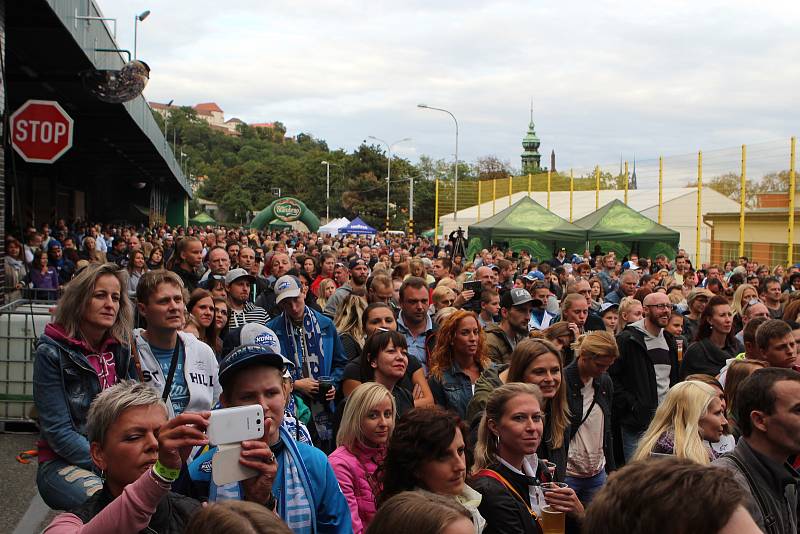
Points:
(531, 159)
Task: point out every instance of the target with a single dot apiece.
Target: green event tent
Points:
(620, 228)
(526, 225)
(202, 219)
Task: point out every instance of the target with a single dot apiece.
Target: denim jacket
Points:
(64, 385)
(453, 391)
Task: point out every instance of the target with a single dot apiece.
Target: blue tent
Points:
(358, 227)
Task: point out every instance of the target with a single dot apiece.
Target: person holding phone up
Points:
(140, 451)
(293, 479)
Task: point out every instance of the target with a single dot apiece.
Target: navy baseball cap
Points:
(250, 354)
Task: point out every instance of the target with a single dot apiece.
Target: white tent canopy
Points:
(332, 227)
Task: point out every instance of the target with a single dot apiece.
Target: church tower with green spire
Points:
(531, 159)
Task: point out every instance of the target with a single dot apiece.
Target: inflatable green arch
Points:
(286, 209)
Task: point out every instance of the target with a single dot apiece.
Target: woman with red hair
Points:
(457, 360)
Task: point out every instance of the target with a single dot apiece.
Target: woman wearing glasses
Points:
(715, 342)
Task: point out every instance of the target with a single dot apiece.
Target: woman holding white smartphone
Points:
(139, 451)
(293, 479)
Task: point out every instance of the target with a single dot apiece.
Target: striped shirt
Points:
(249, 314)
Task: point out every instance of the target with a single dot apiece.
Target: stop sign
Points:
(41, 131)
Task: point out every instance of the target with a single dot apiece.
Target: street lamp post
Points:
(136, 20)
(327, 191)
(389, 168)
(455, 172)
(166, 121)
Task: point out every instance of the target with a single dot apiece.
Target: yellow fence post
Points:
(548, 188)
(510, 189)
(571, 191)
(792, 186)
(626, 182)
(698, 265)
(742, 200)
(660, 186)
(436, 215)
(494, 195)
(597, 187)
(529, 184)
(479, 200)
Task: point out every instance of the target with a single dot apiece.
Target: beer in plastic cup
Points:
(552, 521)
(679, 342)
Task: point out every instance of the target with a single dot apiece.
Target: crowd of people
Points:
(407, 388)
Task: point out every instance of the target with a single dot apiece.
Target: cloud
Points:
(608, 77)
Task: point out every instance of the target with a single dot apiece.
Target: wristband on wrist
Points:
(166, 473)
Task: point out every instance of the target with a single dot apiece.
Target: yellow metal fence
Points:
(740, 173)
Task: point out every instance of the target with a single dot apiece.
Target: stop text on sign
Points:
(41, 131)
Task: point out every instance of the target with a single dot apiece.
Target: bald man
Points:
(645, 370)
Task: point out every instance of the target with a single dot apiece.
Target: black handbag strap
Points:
(173, 364)
(586, 415)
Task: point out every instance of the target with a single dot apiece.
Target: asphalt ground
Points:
(22, 510)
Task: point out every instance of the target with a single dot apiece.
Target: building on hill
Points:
(210, 112)
(161, 109)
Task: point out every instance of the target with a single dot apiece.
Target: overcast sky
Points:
(609, 79)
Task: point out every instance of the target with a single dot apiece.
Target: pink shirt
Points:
(128, 513)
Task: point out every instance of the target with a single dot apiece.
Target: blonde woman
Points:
(327, 287)
(84, 351)
(590, 394)
(630, 311)
(691, 412)
(349, 325)
(537, 362)
(443, 297)
(508, 470)
(742, 297)
(366, 427)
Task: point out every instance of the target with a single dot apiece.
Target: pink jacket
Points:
(354, 470)
(128, 513)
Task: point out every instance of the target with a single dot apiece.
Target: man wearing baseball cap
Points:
(292, 479)
(359, 272)
(238, 283)
(310, 341)
(515, 314)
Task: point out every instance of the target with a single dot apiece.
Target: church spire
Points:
(531, 159)
(531, 110)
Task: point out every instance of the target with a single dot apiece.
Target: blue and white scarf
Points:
(307, 349)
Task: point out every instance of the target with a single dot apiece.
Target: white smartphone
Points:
(225, 466)
(234, 425)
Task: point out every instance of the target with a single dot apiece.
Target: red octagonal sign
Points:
(41, 131)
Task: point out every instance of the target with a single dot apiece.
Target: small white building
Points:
(679, 210)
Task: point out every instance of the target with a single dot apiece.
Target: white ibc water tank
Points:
(21, 324)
